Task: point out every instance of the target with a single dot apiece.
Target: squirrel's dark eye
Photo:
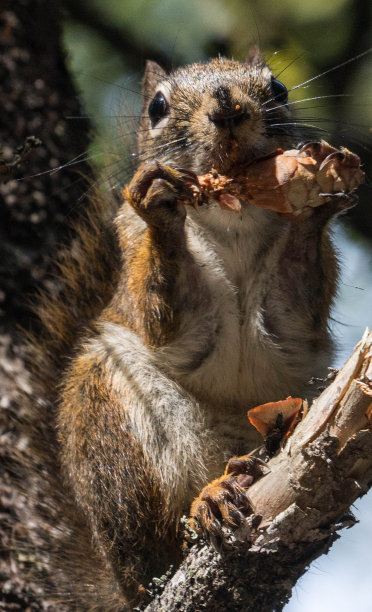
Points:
(279, 90)
(158, 108)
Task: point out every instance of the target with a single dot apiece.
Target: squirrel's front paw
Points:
(338, 176)
(158, 193)
(225, 502)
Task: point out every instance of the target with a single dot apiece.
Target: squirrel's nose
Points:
(228, 119)
(228, 113)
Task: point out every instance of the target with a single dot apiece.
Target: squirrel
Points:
(171, 324)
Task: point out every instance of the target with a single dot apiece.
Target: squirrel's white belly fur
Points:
(221, 362)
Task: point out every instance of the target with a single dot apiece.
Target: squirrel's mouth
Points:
(237, 148)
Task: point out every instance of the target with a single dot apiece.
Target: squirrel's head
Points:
(214, 114)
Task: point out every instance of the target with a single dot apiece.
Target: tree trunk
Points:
(36, 209)
(37, 96)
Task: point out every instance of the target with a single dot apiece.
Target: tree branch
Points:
(299, 505)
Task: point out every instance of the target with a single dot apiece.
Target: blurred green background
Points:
(107, 44)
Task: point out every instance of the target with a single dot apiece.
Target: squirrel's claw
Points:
(225, 502)
(222, 503)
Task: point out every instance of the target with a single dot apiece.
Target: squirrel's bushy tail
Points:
(83, 284)
(74, 572)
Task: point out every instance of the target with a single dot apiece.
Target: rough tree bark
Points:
(36, 96)
(299, 505)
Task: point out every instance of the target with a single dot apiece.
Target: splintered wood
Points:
(285, 181)
(338, 428)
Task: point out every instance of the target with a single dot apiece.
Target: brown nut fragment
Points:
(286, 181)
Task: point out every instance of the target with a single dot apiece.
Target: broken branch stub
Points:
(311, 470)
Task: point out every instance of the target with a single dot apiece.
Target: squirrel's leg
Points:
(118, 476)
(305, 280)
(161, 280)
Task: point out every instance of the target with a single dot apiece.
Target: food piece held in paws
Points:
(276, 420)
(285, 181)
(224, 502)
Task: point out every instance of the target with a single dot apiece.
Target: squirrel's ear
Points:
(255, 57)
(154, 74)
